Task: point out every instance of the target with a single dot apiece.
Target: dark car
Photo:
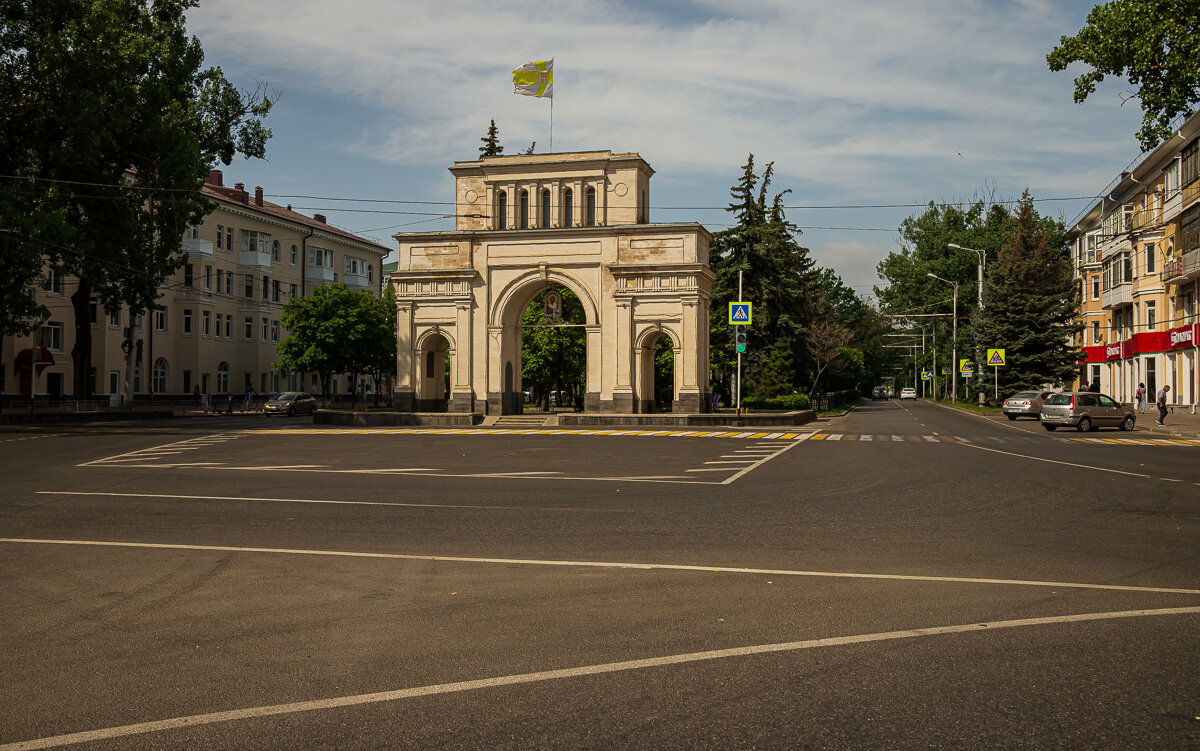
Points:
(1085, 411)
(291, 403)
(880, 392)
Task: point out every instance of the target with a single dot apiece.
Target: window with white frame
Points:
(229, 283)
(208, 277)
(1151, 315)
(274, 330)
(114, 319)
(275, 253)
(206, 323)
(320, 258)
(249, 328)
(220, 237)
(1095, 332)
(220, 280)
(54, 282)
(266, 329)
(229, 239)
(52, 336)
(294, 256)
(223, 378)
(256, 242)
(159, 376)
(192, 232)
(160, 319)
(1151, 265)
(187, 322)
(249, 285)
(1171, 179)
(292, 291)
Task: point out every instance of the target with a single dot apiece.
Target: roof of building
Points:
(238, 196)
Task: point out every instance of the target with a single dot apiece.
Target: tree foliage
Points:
(338, 330)
(491, 142)
(1155, 44)
(108, 124)
(779, 279)
(553, 359)
(1031, 303)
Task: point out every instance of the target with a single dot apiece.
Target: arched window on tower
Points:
(589, 208)
(523, 210)
(545, 209)
(568, 208)
(501, 211)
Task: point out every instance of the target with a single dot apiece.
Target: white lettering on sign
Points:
(1112, 352)
(1179, 337)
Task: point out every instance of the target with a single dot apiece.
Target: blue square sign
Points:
(739, 313)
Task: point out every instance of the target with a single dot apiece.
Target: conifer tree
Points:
(491, 142)
(1031, 303)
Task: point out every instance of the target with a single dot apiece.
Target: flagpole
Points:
(551, 123)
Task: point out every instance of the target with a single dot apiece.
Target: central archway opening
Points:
(553, 352)
(433, 389)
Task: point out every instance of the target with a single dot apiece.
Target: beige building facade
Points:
(1137, 260)
(218, 320)
(525, 224)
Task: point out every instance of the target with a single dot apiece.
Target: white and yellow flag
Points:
(535, 79)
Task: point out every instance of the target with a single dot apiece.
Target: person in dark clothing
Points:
(1161, 401)
(1095, 388)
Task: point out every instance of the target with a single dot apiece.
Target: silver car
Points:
(291, 403)
(1025, 404)
(1085, 411)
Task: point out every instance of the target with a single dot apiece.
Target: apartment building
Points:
(218, 319)
(1137, 260)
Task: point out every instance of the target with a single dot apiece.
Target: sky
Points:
(857, 103)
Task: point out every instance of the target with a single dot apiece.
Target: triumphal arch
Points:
(525, 224)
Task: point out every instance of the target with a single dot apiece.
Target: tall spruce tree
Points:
(778, 278)
(491, 142)
(1031, 303)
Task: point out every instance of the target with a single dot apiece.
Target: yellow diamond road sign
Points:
(995, 357)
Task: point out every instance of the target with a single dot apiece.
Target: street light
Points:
(954, 338)
(982, 258)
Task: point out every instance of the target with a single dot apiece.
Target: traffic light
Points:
(739, 338)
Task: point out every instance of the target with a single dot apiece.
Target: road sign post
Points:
(740, 316)
(995, 358)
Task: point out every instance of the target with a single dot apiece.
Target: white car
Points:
(908, 392)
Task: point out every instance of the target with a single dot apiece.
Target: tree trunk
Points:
(81, 353)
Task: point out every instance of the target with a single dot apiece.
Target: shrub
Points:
(787, 401)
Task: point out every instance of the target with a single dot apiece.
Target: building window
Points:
(249, 328)
(523, 209)
(229, 239)
(274, 331)
(1151, 315)
(545, 217)
(275, 256)
(229, 283)
(187, 381)
(1150, 263)
(94, 314)
(158, 377)
(206, 323)
(220, 237)
(1189, 167)
(229, 327)
(208, 277)
(187, 322)
(568, 208)
(294, 256)
(223, 378)
(1095, 332)
(256, 242)
(1189, 229)
(1096, 287)
(643, 210)
(249, 285)
(589, 209)
(292, 291)
(266, 329)
(370, 273)
(220, 280)
(187, 274)
(52, 336)
(276, 293)
(114, 319)
(160, 319)
(266, 288)
(501, 210)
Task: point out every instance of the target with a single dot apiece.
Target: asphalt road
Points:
(906, 576)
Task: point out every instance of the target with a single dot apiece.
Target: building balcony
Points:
(1117, 297)
(318, 275)
(256, 259)
(355, 281)
(1182, 270)
(197, 248)
(1190, 193)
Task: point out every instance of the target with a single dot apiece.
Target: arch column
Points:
(622, 398)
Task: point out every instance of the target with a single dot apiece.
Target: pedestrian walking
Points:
(1095, 387)
(1140, 396)
(1162, 403)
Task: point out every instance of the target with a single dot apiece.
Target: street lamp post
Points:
(982, 259)
(954, 338)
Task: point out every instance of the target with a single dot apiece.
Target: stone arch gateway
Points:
(588, 232)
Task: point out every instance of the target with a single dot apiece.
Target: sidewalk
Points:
(1180, 423)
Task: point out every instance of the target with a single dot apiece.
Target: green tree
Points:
(108, 124)
(855, 364)
(1155, 44)
(491, 142)
(779, 279)
(553, 359)
(334, 330)
(1031, 303)
(379, 354)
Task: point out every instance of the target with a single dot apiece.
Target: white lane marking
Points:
(210, 718)
(154, 449)
(602, 565)
(711, 469)
(313, 500)
(1055, 461)
(834, 436)
(931, 439)
(1168, 479)
(732, 461)
(866, 437)
(759, 463)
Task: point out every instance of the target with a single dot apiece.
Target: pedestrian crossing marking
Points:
(645, 433)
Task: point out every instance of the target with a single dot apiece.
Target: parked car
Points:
(908, 392)
(1085, 411)
(291, 403)
(1025, 404)
(880, 392)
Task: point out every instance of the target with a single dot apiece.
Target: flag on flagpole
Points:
(535, 79)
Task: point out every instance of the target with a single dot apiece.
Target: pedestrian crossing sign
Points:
(995, 357)
(926, 375)
(965, 367)
(739, 313)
